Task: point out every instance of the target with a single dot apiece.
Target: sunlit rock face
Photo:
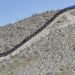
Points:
(53, 53)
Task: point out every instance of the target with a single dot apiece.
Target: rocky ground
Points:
(13, 34)
(52, 54)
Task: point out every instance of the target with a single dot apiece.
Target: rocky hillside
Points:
(13, 34)
(50, 52)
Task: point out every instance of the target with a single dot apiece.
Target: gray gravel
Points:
(13, 34)
(53, 54)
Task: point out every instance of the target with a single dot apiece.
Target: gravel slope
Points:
(51, 54)
(13, 34)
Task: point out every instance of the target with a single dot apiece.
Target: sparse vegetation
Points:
(66, 70)
(52, 54)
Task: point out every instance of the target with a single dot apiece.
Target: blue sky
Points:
(13, 10)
